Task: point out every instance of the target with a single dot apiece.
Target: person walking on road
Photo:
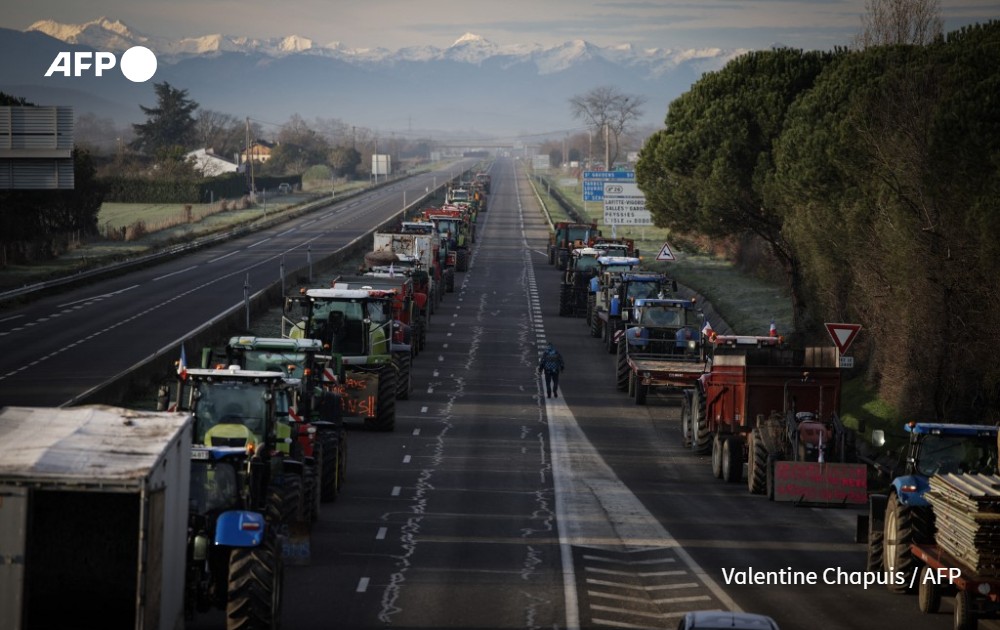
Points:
(551, 363)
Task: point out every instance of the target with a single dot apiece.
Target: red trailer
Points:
(776, 409)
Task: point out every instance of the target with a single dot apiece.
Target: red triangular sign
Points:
(843, 335)
(665, 253)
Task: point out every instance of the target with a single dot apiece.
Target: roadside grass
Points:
(746, 302)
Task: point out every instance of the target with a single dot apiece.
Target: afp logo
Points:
(138, 64)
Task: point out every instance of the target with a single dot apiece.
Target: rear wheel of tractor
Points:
(686, 422)
(402, 363)
(756, 464)
(310, 493)
(631, 384)
(928, 593)
(462, 260)
(641, 391)
(552, 255)
(564, 299)
(591, 299)
(717, 457)
(385, 413)
(965, 616)
(701, 436)
(622, 371)
(898, 534)
(328, 464)
(254, 591)
(772, 461)
(850, 454)
(732, 459)
(595, 326)
(450, 281)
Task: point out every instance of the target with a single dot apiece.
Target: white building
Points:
(209, 164)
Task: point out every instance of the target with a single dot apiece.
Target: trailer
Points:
(93, 517)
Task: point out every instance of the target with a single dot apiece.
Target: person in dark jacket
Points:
(551, 364)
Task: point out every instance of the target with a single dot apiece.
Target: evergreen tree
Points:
(170, 124)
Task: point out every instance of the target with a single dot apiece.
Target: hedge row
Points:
(123, 189)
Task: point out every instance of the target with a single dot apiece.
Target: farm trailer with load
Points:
(901, 516)
(661, 346)
(93, 521)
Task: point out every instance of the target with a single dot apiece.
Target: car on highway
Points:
(721, 619)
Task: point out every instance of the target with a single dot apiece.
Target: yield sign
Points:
(665, 253)
(843, 335)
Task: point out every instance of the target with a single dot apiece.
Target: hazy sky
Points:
(394, 24)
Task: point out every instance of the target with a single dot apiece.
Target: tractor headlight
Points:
(984, 589)
(200, 547)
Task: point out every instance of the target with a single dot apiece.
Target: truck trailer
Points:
(93, 517)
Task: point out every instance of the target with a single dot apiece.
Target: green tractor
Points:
(315, 410)
(354, 327)
(248, 409)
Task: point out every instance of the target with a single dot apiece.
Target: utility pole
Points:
(607, 147)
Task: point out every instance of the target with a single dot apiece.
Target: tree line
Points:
(872, 175)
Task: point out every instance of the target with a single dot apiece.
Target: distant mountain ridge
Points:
(473, 83)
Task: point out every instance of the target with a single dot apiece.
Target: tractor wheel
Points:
(732, 459)
(623, 371)
(898, 534)
(423, 335)
(850, 454)
(875, 549)
(641, 391)
(565, 295)
(631, 384)
(772, 461)
(415, 339)
(552, 255)
(595, 326)
(310, 493)
(449, 281)
(462, 260)
(701, 436)
(965, 616)
(284, 500)
(928, 593)
(402, 363)
(756, 464)
(591, 303)
(254, 590)
(385, 413)
(686, 422)
(329, 456)
(717, 457)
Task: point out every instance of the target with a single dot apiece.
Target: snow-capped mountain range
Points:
(106, 34)
(473, 83)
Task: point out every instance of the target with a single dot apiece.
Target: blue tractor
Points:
(233, 553)
(902, 516)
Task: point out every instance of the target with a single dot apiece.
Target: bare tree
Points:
(890, 22)
(221, 132)
(609, 113)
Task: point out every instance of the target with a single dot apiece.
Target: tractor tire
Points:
(717, 457)
(641, 391)
(772, 461)
(591, 304)
(595, 326)
(415, 339)
(449, 281)
(255, 588)
(311, 493)
(284, 500)
(732, 459)
(756, 464)
(701, 435)
(686, 422)
(928, 593)
(622, 371)
(850, 454)
(552, 255)
(385, 413)
(875, 549)
(965, 615)
(402, 363)
(329, 455)
(899, 532)
(565, 297)
(462, 260)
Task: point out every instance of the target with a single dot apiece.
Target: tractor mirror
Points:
(878, 438)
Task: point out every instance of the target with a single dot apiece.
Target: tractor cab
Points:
(665, 327)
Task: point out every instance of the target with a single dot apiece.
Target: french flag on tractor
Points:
(182, 365)
(774, 329)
